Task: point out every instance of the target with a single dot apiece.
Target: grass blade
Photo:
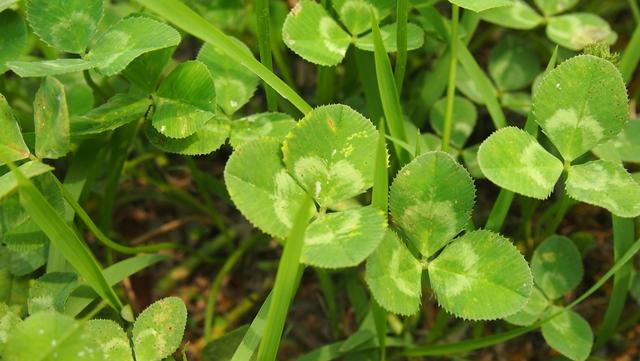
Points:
(631, 56)
(402, 15)
(285, 284)
(264, 46)
(188, 20)
(389, 93)
(64, 238)
(451, 86)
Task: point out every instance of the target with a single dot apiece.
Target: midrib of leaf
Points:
(191, 22)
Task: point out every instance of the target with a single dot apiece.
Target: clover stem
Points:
(451, 87)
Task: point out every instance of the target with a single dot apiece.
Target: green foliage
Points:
(50, 292)
(51, 117)
(481, 5)
(556, 266)
(158, 330)
(10, 137)
(13, 37)
(622, 148)
(465, 116)
(568, 333)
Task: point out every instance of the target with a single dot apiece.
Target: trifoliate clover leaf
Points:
(274, 125)
(13, 37)
(517, 16)
(605, 184)
(185, 101)
(568, 333)
(204, 141)
(481, 5)
(464, 119)
(13, 145)
(67, 25)
(313, 34)
(234, 84)
(114, 341)
(556, 266)
(577, 30)
(158, 330)
(552, 7)
(513, 159)
(394, 276)
(51, 117)
(267, 196)
(481, 276)
(624, 147)
(50, 292)
(330, 153)
(128, 39)
(343, 239)
(535, 307)
(415, 38)
(431, 200)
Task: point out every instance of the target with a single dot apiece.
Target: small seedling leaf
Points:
(128, 39)
(330, 152)
(50, 292)
(535, 307)
(394, 276)
(274, 125)
(67, 25)
(481, 5)
(113, 340)
(517, 16)
(186, 100)
(158, 330)
(568, 333)
(556, 266)
(119, 110)
(481, 276)
(431, 200)
(268, 196)
(607, 185)
(343, 239)
(575, 31)
(513, 159)
(51, 117)
(415, 38)
(13, 37)
(311, 33)
(14, 147)
(234, 84)
(204, 141)
(464, 119)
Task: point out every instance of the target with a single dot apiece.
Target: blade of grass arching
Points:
(367, 73)
(9, 183)
(191, 22)
(380, 199)
(264, 45)
(64, 238)
(388, 93)
(402, 16)
(631, 56)
(623, 234)
(329, 294)
(451, 85)
(484, 85)
(285, 284)
(71, 201)
(114, 274)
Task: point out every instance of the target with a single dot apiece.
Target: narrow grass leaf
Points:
(51, 118)
(252, 337)
(9, 183)
(380, 195)
(631, 56)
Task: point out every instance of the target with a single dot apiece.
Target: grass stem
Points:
(451, 87)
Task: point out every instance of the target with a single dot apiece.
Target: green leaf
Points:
(519, 102)
(470, 159)
(119, 110)
(10, 137)
(159, 329)
(234, 84)
(42, 68)
(481, 276)
(517, 16)
(481, 5)
(5, 4)
(26, 247)
(114, 342)
(354, 14)
(51, 117)
(577, 30)
(185, 101)
(222, 349)
(431, 200)
(204, 141)
(605, 184)
(557, 266)
(311, 33)
(50, 292)
(393, 276)
(415, 38)
(343, 239)
(330, 152)
(267, 196)
(66, 25)
(568, 333)
(274, 125)
(513, 159)
(13, 37)
(8, 322)
(49, 336)
(552, 7)
(513, 64)
(464, 119)
(79, 95)
(532, 311)
(145, 71)
(624, 147)
(128, 39)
